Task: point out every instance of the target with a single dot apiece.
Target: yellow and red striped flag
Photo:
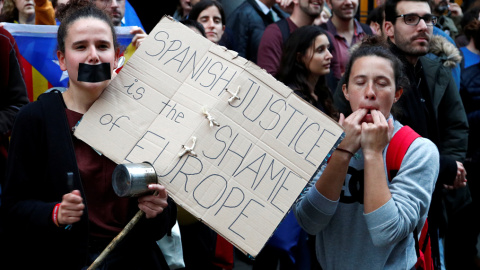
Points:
(37, 45)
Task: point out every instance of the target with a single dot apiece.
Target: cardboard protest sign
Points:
(254, 143)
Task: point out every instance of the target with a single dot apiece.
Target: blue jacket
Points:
(470, 92)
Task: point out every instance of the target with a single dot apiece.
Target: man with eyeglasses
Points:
(432, 107)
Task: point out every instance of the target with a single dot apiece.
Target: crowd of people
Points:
(411, 71)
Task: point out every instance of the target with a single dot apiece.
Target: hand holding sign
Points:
(257, 144)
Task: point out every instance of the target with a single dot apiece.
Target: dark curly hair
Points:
(378, 46)
(197, 25)
(472, 30)
(204, 4)
(391, 9)
(468, 17)
(9, 12)
(294, 73)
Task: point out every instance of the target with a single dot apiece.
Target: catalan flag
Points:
(37, 45)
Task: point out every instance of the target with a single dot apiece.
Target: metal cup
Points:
(132, 179)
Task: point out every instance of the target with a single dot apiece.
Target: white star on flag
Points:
(64, 74)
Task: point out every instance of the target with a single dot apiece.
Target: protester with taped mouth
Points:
(362, 219)
(57, 222)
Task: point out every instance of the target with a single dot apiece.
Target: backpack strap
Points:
(284, 29)
(397, 148)
(366, 28)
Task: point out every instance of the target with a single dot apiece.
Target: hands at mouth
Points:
(360, 132)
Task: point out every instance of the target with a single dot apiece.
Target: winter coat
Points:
(41, 154)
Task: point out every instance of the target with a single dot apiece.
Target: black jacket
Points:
(248, 23)
(13, 92)
(41, 154)
(470, 93)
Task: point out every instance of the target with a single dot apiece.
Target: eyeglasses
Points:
(414, 19)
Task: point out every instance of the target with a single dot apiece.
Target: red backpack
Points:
(397, 149)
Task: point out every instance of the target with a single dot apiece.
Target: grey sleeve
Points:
(411, 191)
(313, 211)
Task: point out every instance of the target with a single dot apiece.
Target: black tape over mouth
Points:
(94, 73)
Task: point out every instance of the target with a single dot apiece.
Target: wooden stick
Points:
(116, 240)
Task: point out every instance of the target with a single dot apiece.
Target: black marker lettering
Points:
(317, 145)
(209, 188)
(149, 137)
(190, 166)
(275, 112)
(246, 95)
(272, 177)
(242, 157)
(223, 79)
(231, 205)
(298, 130)
(242, 214)
(213, 74)
(260, 113)
(217, 134)
(283, 187)
(184, 52)
(161, 32)
(303, 132)
(170, 48)
(291, 116)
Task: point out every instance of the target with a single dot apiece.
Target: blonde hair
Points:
(327, 10)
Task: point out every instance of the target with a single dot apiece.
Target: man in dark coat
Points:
(248, 22)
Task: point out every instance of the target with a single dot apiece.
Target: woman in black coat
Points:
(50, 221)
